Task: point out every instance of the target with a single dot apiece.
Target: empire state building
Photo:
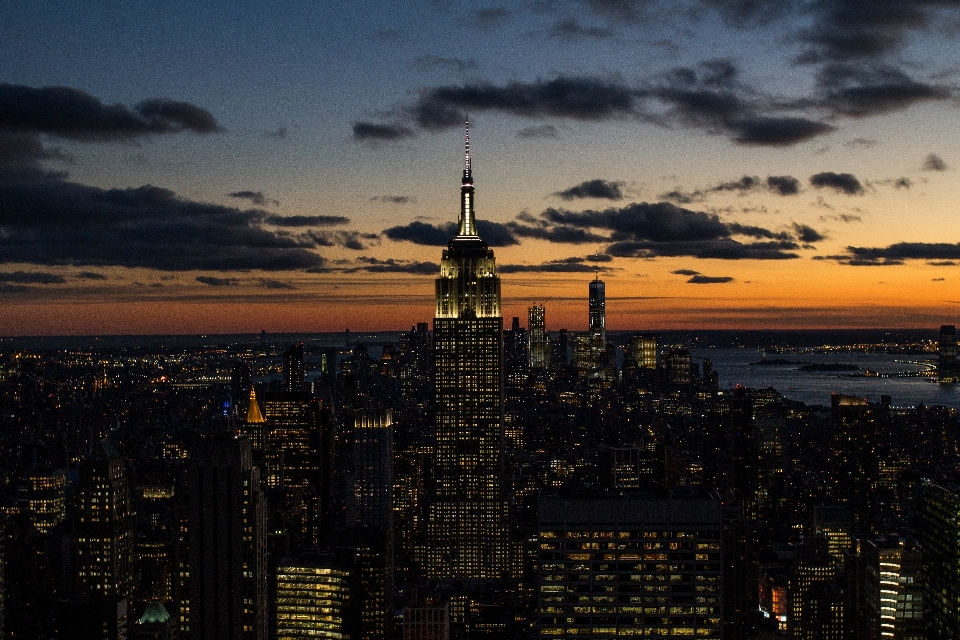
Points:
(466, 536)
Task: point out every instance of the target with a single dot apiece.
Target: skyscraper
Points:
(947, 347)
(539, 343)
(465, 526)
(223, 572)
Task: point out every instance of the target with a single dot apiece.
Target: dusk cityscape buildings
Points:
(474, 481)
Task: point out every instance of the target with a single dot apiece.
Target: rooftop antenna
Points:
(466, 144)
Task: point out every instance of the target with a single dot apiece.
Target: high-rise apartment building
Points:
(629, 566)
(465, 526)
(537, 335)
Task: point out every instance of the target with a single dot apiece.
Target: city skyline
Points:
(237, 167)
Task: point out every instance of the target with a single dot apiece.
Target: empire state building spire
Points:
(468, 220)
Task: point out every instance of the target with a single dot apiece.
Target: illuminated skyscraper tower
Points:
(539, 342)
(465, 527)
(598, 325)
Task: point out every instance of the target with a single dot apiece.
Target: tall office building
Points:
(223, 570)
(465, 526)
(629, 566)
(313, 594)
(643, 348)
(537, 335)
(940, 532)
(294, 373)
(47, 498)
(104, 526)
(298, 459)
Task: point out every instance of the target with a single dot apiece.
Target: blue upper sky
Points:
(174, 151)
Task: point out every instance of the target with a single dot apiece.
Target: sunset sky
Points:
(225, 167)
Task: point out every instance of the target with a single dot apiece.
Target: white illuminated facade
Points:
(465, 528)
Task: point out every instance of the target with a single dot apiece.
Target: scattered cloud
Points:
(375, 265)
(417, 232)
(49, 220)
(280, 133)
(597, 188)
(268, 283)
(373, 132)
(571, 28)
(491, 16)
(256, 197)
(933, 162)
(841, 182)
(702, 279)
(942, 263)
(304, 221)
(858, 91)
(860, 143)
(783, 185)
(430, 61)
(65, 112)
(91, 275)
(575, 264)
(31, 277)
(685, 272)
(807, 234)
(394, 199)
(895, 254)
(538, 131)
(217, 282)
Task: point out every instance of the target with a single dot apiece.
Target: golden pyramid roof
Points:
(253, 409)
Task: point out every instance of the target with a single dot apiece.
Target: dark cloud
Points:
(268, 283)
(579, 98)
(702, 279)
(574, 264)
(710, 97)
(217, 282)
(304, 221)
(256, 197)
(370, 131)
(346, 239)
(663, 229)
(902, 183)
(52, 221)
(859, 91)
(280, 133)
(417, 232)
(843, 182)
(31, 277)
(895, 254)
(597, 188)
(783, 185)
(91, 275)
(942, 263)
(394, 199)
(571, 28)
(937, 279)
(724, 249)
(375, 265)
(933, 162)
(26, 149)
(539, 131)
(423, 233)
(70, 113)
(561, 234)
(807, 234)
(685, 272)
(852, 30)
(430, 61)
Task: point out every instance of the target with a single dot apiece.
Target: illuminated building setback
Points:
(465, 528)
